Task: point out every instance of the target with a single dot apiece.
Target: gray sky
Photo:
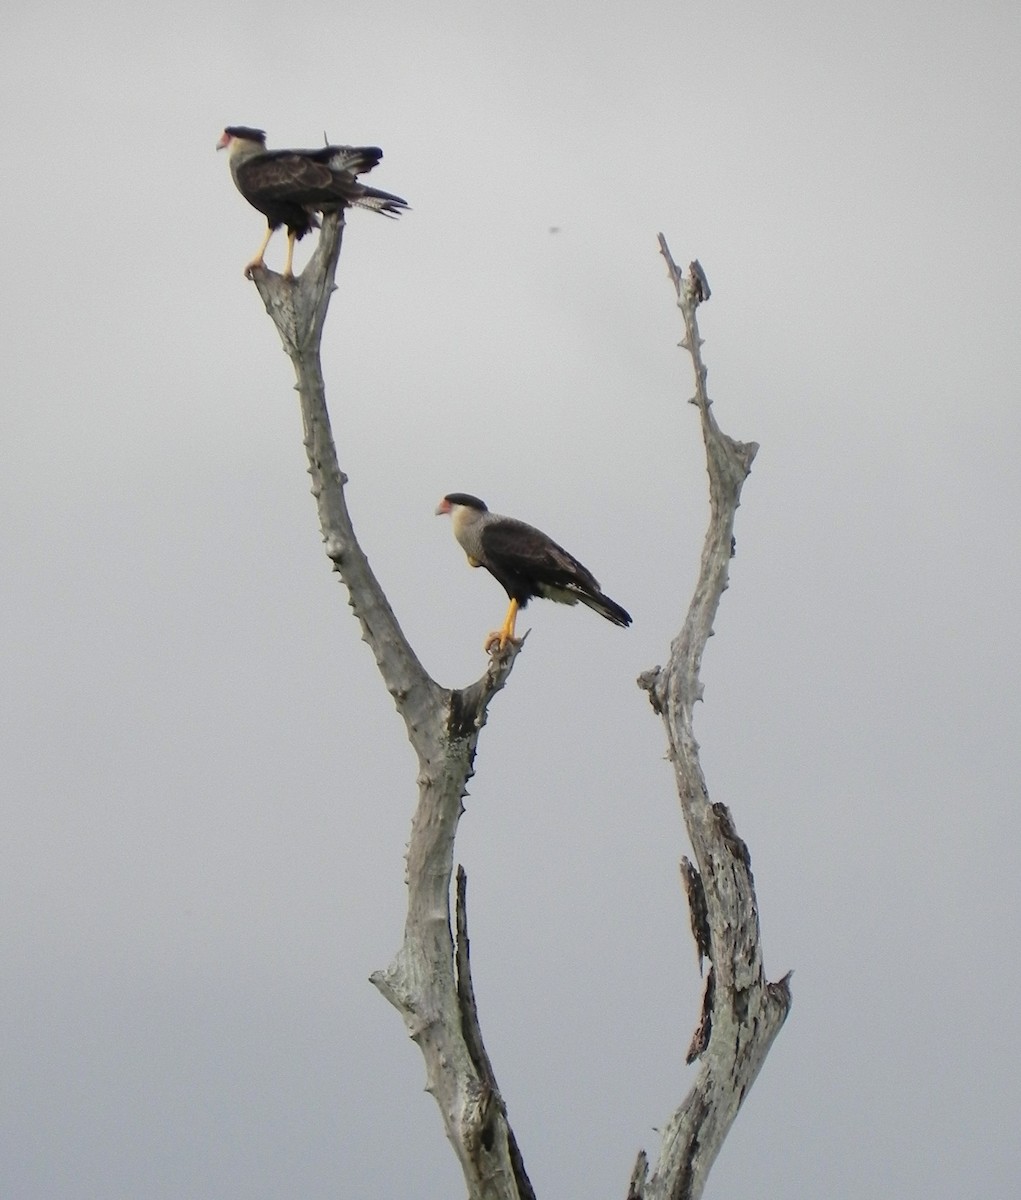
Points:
(206, 792)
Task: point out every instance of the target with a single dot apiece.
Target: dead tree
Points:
(429, 978)
(741, 1012)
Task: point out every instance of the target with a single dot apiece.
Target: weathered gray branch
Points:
(473, 1035)
(742, 1013)
(429, 979)
(443, 726)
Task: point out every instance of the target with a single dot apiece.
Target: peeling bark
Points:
(697, 911)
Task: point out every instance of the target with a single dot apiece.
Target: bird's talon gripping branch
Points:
(290, 186)
(526, 562)
(499, 640)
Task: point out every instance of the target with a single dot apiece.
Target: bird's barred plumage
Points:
(289, 187)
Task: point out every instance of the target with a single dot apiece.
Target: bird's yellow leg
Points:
(257, 260)
(288, 272)
(506, 634)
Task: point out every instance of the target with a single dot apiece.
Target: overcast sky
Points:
(205, 790)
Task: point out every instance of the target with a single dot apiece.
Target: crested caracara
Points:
(290, 186)
(525, 561)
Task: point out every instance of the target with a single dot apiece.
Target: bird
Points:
(525, 561)
(290, 186)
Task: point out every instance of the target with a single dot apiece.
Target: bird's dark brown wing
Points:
(356, 159)
(528, 551)
(286, 177)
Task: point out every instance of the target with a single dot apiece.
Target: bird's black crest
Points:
(468, 501)
(250, 135)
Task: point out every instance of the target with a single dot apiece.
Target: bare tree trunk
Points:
(429, 979)
(443, 724)
(741, 1012)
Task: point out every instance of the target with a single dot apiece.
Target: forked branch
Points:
(443, 726)
(742, 1013)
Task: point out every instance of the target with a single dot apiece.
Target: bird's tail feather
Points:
(381, 202)
(606, 607)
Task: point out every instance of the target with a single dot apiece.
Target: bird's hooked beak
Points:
(224, 141)
(442, 508)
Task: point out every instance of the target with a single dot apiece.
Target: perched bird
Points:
(290, 186)
(525, 561)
